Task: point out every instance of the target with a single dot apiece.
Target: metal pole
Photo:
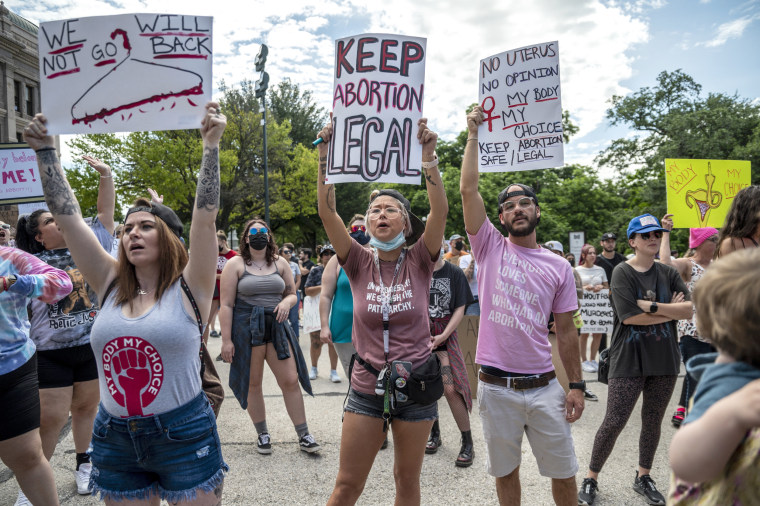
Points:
(266, 168)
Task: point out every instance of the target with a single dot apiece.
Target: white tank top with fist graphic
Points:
(147, 365)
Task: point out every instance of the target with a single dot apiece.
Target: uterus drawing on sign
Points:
(116, 92)
(704, 199)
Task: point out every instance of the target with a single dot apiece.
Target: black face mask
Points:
(258, 242)
(360, 237)
(459, 245)
(221, 248)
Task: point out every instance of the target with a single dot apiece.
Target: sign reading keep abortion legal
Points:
(520, 94)
(378, 94)
(125, 73)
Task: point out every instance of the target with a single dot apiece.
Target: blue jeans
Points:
(372, 405)
(691, 347)
(473, 309)
(172, 455)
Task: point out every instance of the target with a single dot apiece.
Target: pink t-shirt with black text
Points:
(518, 288)
(408, 321)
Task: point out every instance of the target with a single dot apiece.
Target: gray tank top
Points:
(264, 291)
(147, 365)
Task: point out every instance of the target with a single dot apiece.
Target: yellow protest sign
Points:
(701, 191)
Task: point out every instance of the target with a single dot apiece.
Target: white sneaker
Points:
(83, 479)
(21, 500)
(313, 373)
(334, 376)
(595, 365)
(587, 366)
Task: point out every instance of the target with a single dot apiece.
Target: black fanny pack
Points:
(423, 385)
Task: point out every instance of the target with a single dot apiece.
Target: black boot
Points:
(467, 452)
(434, 441)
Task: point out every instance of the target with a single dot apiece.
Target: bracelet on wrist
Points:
(431, 164)
(46, 148)
(471, 139)
(109, 176)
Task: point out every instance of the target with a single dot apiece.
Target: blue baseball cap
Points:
(643, 223)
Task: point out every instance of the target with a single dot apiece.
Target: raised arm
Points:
(472, 202)
(328, 213)
(106, 193)
(329, 283)
(439, 206)
(96, 265)
(200, 271)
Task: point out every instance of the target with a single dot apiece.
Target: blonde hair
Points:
(726, 299)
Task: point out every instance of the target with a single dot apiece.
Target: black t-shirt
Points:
(448, 290)
(643, 350)
(609, 264)
(306, 265)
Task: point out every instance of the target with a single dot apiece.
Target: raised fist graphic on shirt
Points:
(132, 370)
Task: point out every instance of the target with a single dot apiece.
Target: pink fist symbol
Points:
(131, 368)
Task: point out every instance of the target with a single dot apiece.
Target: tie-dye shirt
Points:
(34, 279)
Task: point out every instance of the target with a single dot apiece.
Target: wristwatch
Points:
(653, 308)
(581, 385)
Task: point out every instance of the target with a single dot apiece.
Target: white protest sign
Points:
(125, 73)
(18, 175)
(519, 92)
(596, 312)
(577, 240)
(377, 100)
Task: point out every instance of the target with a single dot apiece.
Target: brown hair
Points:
(221, 235)
(172, 262)
(271, 252)
(743, 216)
(726, 301)
(584, 253)
(356, 217)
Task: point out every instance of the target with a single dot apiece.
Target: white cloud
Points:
(730, 30)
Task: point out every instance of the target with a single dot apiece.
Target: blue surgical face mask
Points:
(390, 245)
(360, 237)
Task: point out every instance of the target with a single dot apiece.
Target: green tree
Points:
(288, 102)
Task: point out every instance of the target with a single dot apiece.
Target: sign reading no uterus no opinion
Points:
(519, 91)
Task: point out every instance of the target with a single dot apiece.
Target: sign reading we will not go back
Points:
(519, 91)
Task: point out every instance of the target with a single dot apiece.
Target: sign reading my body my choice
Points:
(519, 92)
(377, 101)
(125, 73)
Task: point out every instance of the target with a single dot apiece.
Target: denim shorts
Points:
(172, 455)
(372, 405)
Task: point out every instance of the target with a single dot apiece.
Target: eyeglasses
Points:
(392, 212)
(286, 252)
(647, 235)
(524, 203)
(260, 230)
(358, 228)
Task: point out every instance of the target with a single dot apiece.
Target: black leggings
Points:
(621, 399)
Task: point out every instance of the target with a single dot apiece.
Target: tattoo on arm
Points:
(58, 195)
(207, 194)
(331, 198)
(323, 167)
(428, 177)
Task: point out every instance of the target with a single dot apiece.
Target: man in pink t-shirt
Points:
(519, 285)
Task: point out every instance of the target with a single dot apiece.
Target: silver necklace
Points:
(140, 291)
(261, 267)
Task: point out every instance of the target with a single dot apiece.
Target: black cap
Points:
(609, 235)
(165, 213)
(417, 226)
(526, 190)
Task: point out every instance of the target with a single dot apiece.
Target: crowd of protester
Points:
(72, 289)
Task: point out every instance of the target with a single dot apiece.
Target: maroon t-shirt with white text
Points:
(408, 321)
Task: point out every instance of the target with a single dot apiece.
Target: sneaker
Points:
(594, 365)
(588, 491)
(21, 500)
(313, 373)
(587, 366)
(678, 417)
(214, 333)
(644, 485)
(83, 478)
(308, 444)
(264, 444)
(334, 376)
(589, 395)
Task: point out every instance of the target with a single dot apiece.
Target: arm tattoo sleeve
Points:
(207, 193)
(58, 195)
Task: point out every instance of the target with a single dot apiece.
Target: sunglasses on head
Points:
(259, 230)
(647, 235)
(358, 228)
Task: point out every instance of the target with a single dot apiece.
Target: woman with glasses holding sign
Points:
(390, 285)
(647, 299)
(258, 291)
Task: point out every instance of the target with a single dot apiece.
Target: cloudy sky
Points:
(606, 47)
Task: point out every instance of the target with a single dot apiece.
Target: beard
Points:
(523, 232)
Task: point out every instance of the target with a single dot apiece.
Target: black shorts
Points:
(20, 397)
(64, 367)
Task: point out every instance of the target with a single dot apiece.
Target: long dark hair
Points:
(27, 228)
(584, 253)
(271, 252)
(743, 216)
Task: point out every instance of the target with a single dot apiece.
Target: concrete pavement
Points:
(289, 476)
